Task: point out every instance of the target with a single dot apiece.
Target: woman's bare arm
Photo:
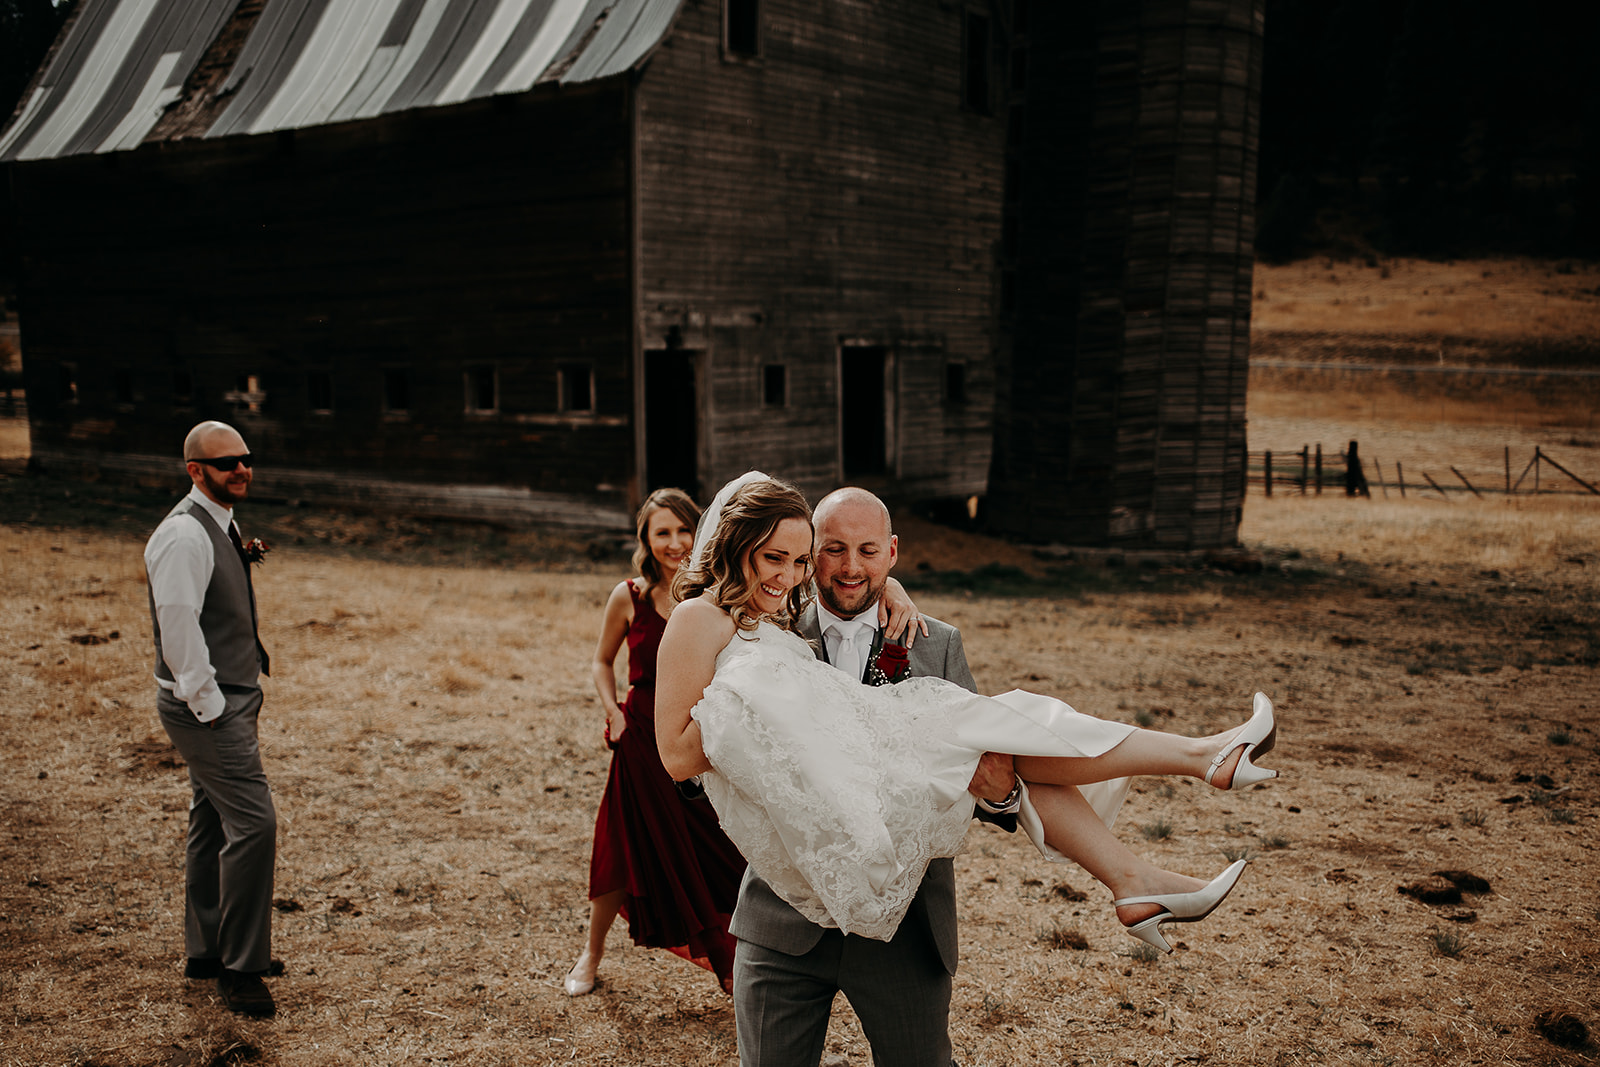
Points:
(613, 631)
(897, 612)
(696, 631)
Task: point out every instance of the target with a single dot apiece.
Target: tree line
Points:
(1429, 127)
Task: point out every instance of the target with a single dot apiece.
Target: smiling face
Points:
(670, 539)
(779, 565)
(855, 550)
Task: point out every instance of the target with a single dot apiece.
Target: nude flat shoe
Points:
(1257, 737)
(1181, 907)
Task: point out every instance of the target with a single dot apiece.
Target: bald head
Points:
(855, 548)
(856, 502)
(202, 439)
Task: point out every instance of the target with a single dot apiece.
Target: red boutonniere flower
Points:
(891, 666)
(254, 550)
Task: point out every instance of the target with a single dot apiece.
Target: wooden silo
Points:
(1126, 273)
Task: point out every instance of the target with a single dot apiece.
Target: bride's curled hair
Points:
(747, 522)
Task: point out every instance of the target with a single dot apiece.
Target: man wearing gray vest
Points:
(209, 660)
(787, 970)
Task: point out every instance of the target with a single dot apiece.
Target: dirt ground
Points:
(434, 747)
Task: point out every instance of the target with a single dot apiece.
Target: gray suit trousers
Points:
(233, 832)
(899, 989)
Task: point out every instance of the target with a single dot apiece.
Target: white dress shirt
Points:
(852, 660)
(179, 559)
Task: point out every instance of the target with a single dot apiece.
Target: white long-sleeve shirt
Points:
(179, 558)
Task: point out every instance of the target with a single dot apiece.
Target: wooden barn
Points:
(530, 258)
(517, 258)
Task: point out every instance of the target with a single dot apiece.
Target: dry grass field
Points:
(434, 746)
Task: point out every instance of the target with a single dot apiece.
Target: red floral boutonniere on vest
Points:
(254, 550)
(891, 665)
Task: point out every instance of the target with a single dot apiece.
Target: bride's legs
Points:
(1148, 752)
(1072, 828)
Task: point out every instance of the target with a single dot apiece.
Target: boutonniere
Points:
(891, 665)
(254, 550)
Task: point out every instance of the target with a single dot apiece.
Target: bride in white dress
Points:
(839, 794)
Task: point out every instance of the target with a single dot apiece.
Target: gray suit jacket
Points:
(761, 916)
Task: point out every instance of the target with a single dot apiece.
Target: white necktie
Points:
(848, 655)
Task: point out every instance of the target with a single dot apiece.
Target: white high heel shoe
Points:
(1181, 907)
(1257, 737)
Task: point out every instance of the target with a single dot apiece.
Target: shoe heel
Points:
(1247, 774)
(1149, 931)
(1257, 738)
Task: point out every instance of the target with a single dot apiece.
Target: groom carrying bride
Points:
(788, 970)
(843, 797)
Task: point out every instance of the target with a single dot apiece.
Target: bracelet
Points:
(1006, 806)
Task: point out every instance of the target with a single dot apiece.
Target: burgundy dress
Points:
(680, 874)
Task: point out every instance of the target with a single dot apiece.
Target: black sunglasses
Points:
(227, 463)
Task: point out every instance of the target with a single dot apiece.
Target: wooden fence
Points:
(1308, 471)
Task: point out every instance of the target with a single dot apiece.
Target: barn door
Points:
(864, 411)
(671, 437)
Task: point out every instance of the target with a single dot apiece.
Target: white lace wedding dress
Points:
(839, 794)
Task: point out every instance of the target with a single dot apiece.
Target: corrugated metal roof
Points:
(122, 63)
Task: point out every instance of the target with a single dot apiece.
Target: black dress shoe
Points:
(199, 967)
(245, 993)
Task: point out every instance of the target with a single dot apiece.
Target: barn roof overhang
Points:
(130, 72)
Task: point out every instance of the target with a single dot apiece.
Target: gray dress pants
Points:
(233, 832)
(900, 991)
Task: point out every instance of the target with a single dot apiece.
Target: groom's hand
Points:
(994, 778)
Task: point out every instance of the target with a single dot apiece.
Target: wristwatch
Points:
(1009, 806)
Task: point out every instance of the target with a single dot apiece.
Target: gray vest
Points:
(228, 616)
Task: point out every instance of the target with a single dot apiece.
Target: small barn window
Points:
(741, 28)
(66, 384)
(396, 391)
(483, 391)
(576, 384)
(122, 384)
(975, 62)
(319, 392)
(955, 383)
(182, 387)
(774, 385)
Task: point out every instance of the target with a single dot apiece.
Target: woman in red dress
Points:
(660, 861)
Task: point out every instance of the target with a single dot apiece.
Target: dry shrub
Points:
(1058, 937)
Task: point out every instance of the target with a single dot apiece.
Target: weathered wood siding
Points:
(1122, 390)
(492, 234)
(832, 191)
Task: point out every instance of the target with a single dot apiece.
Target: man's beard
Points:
(868, 597)
(221, 490)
